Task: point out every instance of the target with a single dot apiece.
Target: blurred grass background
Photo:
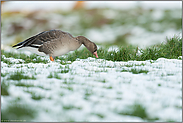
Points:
(103, 25)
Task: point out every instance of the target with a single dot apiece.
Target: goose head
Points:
(91, 46)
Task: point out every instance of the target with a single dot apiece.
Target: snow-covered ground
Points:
(98, 90)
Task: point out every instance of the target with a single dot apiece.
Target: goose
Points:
(56, 43)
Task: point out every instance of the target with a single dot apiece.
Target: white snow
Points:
(86, 77)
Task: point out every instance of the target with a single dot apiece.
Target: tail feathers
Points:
(33, 46)
(18, 44)
(20, 47)
(24, 43)
(29, 42)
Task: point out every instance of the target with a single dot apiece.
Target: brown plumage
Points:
(55, 43)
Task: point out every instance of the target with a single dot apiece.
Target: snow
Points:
(86, 77)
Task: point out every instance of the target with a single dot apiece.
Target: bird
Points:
(54, 43)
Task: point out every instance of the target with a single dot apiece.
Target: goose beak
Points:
(95, 53)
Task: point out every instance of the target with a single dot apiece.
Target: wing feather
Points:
(39, 39)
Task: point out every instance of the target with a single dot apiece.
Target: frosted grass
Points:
(96, 90)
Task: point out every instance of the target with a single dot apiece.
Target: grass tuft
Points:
(17, 113)
(64, 71)
(135, 71)
(24, 85)
(99, 115)
(103, 81)
(6, 60)
(18, 75)
(159, 84)
(54, 75)
(136, 110)
(36, 97)
(109, 87)
(4, 88)
(4, 74)
(69, 107)
(172, 49)
(33, 58)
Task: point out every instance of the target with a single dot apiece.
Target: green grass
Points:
(109, 87)
(4, 74)
(62, 94)
(36, 97)
(70, 88)
(103, 81)
(159, 84)
(131, 65)
(63, 62)
(172, 49)
(98, 71)
(124, 70)
(82, 54)
(69, 107)
(137, 110)
(87, 94)
(18, 75)
(4, 88)
(30, 85)
(50, 75)
(99, 115)
(54, 75)
(33, 58)
(7, 61)
(67, 82)
(64, 71)
(24, 85)
(136, 71)
(17, 113)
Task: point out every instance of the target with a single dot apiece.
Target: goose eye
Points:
(94, 50)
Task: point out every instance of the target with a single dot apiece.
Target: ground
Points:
(92, 90)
